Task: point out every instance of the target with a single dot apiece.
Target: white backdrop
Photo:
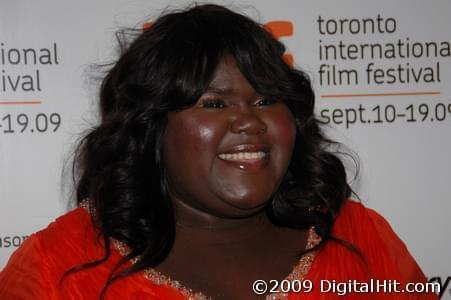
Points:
(381, 70)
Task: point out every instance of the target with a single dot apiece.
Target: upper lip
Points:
(259, 147)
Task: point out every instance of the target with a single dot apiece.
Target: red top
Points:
(34, 270)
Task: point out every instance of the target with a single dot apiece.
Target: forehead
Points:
(228, 79)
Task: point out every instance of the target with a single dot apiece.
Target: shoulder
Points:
(352, 209)
(365, 228)
(72, 235)
(68, 234)
(354, 220)
(385, 253)
(75, 224)
(34, 269)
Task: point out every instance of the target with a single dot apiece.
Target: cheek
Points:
(283, 129)
(203, 134)
(179, 132)
(191, 138)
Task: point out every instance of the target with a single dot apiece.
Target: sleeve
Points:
(25, 275)
(403, 262)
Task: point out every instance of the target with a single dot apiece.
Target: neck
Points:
(203, 228)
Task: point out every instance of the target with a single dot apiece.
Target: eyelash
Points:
(267, 101)
(213, 103)
(218, 103)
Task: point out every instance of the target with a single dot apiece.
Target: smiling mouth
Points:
(246, 157)
(243, 156)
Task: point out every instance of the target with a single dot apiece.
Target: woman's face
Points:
(227, 154)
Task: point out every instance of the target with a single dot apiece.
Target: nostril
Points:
(248, 123)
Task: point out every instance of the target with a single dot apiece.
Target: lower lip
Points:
(251, 165)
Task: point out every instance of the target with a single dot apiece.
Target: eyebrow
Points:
(219, 90)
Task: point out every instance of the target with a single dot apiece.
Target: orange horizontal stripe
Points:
(20, 102)
(426, 93)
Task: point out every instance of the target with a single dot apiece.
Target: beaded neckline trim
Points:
(299, 271)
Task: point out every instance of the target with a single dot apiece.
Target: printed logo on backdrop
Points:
(12, 241)
(281, 29)
(23, 70)
(22, 66)
(378, 57)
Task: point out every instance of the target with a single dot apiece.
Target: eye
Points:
(212, 103)
(265, 101)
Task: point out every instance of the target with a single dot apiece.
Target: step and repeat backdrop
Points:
(381, 72)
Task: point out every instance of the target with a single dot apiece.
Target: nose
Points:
(248, 121)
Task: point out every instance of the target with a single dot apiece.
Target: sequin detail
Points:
(302, 267)
(299, 271)
(149, 273)
(159, 278)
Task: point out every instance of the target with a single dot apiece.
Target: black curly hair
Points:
(167, 68)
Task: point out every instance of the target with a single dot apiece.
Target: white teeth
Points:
(242, 156)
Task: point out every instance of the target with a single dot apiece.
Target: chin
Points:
(243, 207)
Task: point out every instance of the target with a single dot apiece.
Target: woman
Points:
(208, 172)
